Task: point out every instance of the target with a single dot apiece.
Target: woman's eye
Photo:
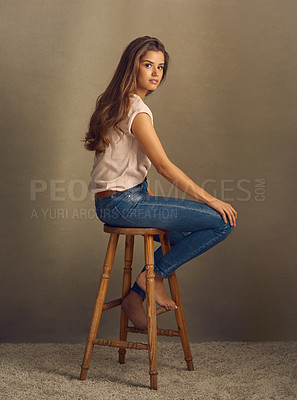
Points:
(148, 65)
(160, 67)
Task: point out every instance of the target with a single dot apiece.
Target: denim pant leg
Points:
(174, 238)
(198, 227)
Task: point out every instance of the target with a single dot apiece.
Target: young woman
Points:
(122, 134)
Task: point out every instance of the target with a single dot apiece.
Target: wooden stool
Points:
(152, 330)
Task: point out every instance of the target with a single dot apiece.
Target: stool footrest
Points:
(121, 344)
(118, 302)
(160, 332)
(161, 310)
(111, 304)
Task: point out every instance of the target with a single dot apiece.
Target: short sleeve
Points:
(137, 107)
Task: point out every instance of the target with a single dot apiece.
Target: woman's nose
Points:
(155, 71)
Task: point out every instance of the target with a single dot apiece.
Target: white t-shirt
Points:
(123, 164)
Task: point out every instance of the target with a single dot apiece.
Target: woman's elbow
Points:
(163, 168)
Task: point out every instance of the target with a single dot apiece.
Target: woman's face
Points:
(150, 72)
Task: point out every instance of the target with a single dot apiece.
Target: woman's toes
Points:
(173, 306)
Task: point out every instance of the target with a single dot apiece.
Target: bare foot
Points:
(160, 293)
(132, 305)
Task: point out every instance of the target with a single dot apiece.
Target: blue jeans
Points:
(195, 226)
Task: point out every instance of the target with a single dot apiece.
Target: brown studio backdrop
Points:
(227, 113)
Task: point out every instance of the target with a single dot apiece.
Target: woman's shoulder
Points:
(138, 105)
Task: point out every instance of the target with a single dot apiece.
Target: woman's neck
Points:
(140, 93)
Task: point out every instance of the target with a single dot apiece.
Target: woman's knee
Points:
(220, 225)
(226, 228)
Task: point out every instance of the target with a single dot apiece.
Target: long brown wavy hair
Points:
(112, 106)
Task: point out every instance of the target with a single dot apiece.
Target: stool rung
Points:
(121, 344)
(160, 332)
(118, 302)
(161, 310)
(111, 304)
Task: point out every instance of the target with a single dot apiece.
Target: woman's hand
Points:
(150, 192)
(225, 209)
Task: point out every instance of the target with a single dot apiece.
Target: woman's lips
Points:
(154, 81)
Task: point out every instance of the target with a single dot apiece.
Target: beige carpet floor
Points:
(223, 371)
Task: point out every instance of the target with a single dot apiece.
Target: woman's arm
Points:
(148, 140)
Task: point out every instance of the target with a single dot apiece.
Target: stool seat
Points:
(134, 231)
(152, 331)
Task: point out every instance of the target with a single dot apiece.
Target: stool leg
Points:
(180, 320)
(129, 245)
(111, 249)
(179, 313)
(151, 309)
